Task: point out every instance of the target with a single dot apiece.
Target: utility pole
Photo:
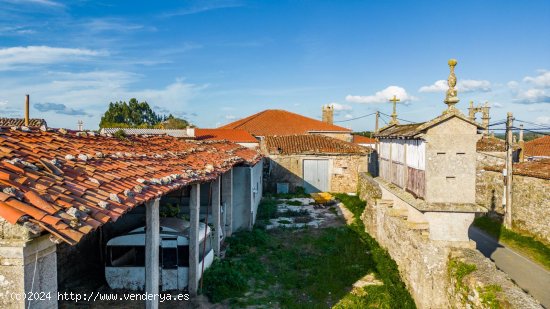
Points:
(509, 168)
(376, 123)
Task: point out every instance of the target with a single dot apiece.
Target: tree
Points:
(133, 114)
(172, 122)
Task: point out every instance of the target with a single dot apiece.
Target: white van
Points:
(125, 257)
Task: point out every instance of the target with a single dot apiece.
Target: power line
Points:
(398, 118)
(356, 118)
(536, 124)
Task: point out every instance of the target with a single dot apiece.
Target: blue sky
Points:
(216, 61)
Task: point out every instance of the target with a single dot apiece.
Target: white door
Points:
(169, 263)
(316, 175)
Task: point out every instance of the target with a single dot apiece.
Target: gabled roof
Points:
(232, 135)
(359, 139)
(18, 122)
(539, 147)
(70, 183)
(139, 131)
(413, 129)
(281, 122)
(311, 144)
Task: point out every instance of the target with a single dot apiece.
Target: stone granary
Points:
(59, 189)
(314, 162)
(432, 167)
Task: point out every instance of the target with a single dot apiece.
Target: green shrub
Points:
(223, 279)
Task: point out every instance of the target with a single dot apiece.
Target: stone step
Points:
(386, 203)
(421, 226)
(395, 212)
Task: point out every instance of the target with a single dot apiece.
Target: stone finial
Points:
(451, 98)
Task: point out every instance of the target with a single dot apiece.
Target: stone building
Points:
(62, 189)
(314, 162)
(434, 163)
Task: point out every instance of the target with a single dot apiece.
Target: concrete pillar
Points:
(216, 205)
(227, 200)
(152, 243)
(194, 212)
(28, 267)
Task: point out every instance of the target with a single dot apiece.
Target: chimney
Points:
(521, 144)
(328, 113)
(190, 132)
(27, 110)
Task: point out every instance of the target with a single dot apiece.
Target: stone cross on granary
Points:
(394, 100)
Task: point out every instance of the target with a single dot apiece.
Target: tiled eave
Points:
(71, 183)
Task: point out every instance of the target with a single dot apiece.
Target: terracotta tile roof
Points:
(539, 147)
(535, 168)
(18, 122)
(400, 130)
(311, 144)
(359, 139)
(70, 184)
(139, 131)
(491, 144)
(232, 135)
(280, 122)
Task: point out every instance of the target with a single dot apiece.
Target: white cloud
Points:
(89, 93)
(340, 107)
(512, 84)
(230, 117)
(543, 120)
(497, 105)
(348, 116)
(466, 85)
(48, 3)
(534, 95)
(542, 80)
(382, 96)
(13, 57)
(438, 86)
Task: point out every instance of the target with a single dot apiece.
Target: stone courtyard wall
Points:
(530, 197)
(424, 263)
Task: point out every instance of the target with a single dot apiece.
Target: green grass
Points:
(311, 268)
(532, 248)
(386, 268)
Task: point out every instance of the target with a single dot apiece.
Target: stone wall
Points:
(531, 206)
(424, 263)
(530, 197)
(343, 171)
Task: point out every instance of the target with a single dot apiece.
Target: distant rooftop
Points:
(18, 122)
(135, 131)
(280, 122)
(309, 144)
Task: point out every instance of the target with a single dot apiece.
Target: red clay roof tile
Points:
(232, 135)
(11, 215)
(280, 122)
(539, 147)
(309, 144)
(52, 182)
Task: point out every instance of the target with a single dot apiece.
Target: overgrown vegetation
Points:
(169, 210)
(488, 296)
(457, 270)
(312, 268)
(386, 268)
(536, 250)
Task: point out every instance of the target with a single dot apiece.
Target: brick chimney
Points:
(328, 113)
(27, 99)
